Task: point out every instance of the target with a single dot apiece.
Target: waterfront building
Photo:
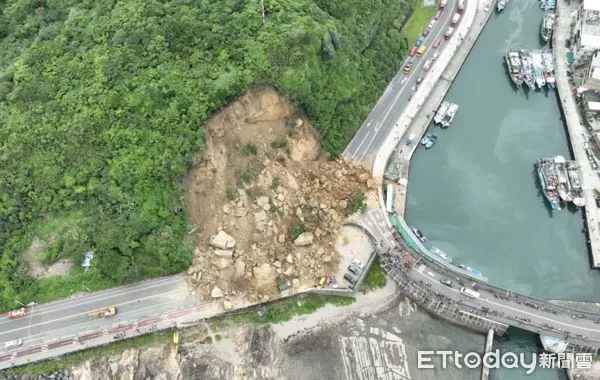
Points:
(586, 32)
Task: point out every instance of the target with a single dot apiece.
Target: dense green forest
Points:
(103, 105)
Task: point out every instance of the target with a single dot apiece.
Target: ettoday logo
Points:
(495, 359)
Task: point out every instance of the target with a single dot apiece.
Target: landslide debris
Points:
(265, 202)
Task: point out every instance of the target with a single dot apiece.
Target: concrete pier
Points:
(578, 134)
(485, 371)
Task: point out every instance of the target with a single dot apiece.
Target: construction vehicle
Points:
(106, 312)
(17, 313)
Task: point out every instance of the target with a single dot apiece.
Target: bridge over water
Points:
(418, 273)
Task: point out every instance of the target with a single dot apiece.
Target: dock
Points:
(577, 133)
(485, 370)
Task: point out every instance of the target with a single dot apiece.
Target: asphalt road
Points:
(502, 306)
(68, 318)
(366, 143)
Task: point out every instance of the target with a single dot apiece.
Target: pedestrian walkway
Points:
(578, 134)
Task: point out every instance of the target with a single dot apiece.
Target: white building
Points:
(591, 74)
(586, 31)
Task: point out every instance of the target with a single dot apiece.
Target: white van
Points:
(13, 343)
(469, 293)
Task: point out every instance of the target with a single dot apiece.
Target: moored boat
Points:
(501, 5)
(441, 112)
(527, 69)
(438, 252)
(449, 117)
(547, 25)
(471, 269)
(514, 64)
(419, 235)
(549, 181)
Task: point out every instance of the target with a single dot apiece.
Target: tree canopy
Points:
(103, 105)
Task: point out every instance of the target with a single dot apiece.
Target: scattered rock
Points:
(306, 238)
(216, 293)
(263, 272)
(281, 238)
(240, 268)
(222, 240)
(263, 202)
(295, 283)
(227, 253)
(289, 259)
(260, 217)
(227, 305)
(222, 263)
(227, 209)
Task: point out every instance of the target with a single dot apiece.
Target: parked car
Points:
(407, 68)
(437, 43)
(438, 14)
(13, 343)
(420, 41)
(354, 270)
(425, 32)
(435, 55)
(357, 262)
(446, 282)
(413, 51)
(351, 279)
(431, 24)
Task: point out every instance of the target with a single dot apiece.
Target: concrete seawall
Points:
(422, 120)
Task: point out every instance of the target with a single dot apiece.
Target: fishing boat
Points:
(471, 270)
(441, 112)
(501, 5)
(514, 64)
(419, 235)
(547, 25)
(429, 140)
(438, 252)
(549, 181)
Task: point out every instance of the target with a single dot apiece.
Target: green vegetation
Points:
(357, 203)
(284, 310)
(231, 194)
(249, 150)
(67, 361)
(418, 20)
(376, 278)
(249, 175)
(103, 106)
(296, 230)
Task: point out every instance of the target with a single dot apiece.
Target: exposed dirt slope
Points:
(277, 202)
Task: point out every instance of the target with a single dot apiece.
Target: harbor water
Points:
(476, 195)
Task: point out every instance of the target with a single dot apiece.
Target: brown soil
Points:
(263, 180)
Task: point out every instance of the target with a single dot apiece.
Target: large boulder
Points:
(306, 238)
(226, 253)
(216, 293)
(223, 241)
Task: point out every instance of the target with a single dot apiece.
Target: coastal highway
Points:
(366, 143)
(68, 318)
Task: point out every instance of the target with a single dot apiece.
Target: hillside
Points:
(103, 106)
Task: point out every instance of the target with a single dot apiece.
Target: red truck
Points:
(455, 19)
(442, 4)
(17, 313)
(461, 6)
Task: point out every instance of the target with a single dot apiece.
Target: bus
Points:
(421, 50)
(469, 292)
(389, 199)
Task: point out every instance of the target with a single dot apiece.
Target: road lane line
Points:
(86, 300)
(411, 75)
(80, 314)
(85, 327)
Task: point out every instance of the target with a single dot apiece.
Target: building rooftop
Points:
(590, 31)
